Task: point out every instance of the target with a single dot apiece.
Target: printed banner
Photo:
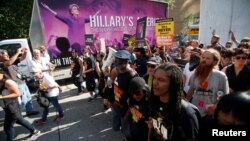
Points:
(141, 32)
(193, 31)
(89, 39)
(141, 28)
(164, 31)
(126, 38)
(109, 19)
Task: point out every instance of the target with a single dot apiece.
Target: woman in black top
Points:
(238, 73)
(76, 70)
(138, 111)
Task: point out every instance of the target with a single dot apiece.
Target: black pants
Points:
(77, 83)
(90, 82)
(101, 86)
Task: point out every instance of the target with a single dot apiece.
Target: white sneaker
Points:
(35, 133)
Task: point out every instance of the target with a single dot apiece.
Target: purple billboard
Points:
(66, 22)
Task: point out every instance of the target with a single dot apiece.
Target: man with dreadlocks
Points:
(171, 117)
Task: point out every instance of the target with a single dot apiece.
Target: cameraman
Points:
(10, 66)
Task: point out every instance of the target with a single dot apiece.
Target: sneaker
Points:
(32, 113)
(60, 90)
(90, 99)
(95, 96)
(105, 107)
(35, 133)
(79, 93)
(59, 118)
(40, 121)
(84, 90)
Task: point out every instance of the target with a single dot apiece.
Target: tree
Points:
(169, 2)
(15, 16)
(187, 19)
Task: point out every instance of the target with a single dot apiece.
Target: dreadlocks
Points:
(176, 89)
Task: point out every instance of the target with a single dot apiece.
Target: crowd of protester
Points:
(155, 93)
(173, 93)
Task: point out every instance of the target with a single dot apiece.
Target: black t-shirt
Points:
(90, 64)
(186, 128)
(141, 66)
(76, 68)
(139, 114)
(121, 86)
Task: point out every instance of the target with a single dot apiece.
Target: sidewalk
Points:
(84, 121)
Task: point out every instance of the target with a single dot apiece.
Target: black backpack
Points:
(42, 99)
(33, 85)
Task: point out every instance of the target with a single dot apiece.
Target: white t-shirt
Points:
(187, 74)
(217, 86)
(50, 82)
(42, 64)
(46, 55)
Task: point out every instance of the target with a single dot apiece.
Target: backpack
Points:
(33, 85)
(42, 99)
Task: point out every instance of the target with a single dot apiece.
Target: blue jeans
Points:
(29, 107)
(10, 120)
(118, 124)
(55, 103)
(26, 98)
(116, 118)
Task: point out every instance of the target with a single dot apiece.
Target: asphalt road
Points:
(84, 121)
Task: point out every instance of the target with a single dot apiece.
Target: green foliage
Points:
(187, 18)
(171, 3)
(15, 16)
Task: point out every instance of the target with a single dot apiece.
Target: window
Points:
(11, 48)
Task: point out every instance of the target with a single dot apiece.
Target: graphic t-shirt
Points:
(139, 114)
(121, 86)
(217, 86)
(186, 126)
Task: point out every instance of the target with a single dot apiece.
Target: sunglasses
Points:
(223, 56)
(151, 66)
(137, 93)
(120, 61)
(241, 57)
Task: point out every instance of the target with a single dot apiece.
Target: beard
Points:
(202, 71)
